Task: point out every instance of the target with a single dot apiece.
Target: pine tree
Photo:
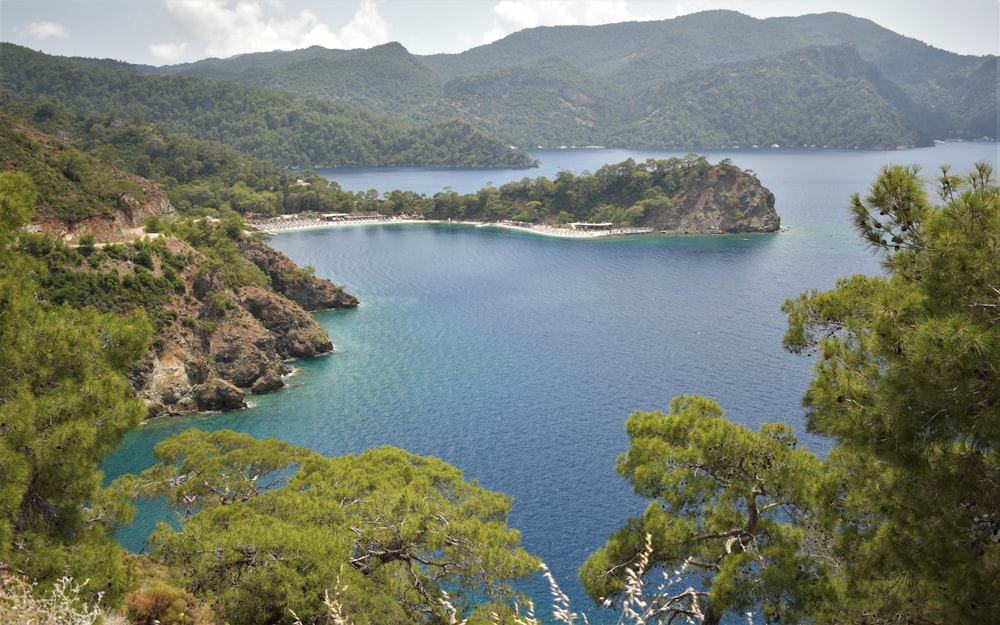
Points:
(64, 405)
(907, 384)
(268, 529)
(730, 510)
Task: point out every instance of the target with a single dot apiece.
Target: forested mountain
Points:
(711, 79)
(848, 103)
(268, 124)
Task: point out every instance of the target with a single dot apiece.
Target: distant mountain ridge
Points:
(269, 124)
(706, 80)
(583, 85)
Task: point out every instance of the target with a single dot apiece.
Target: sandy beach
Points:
(299, 223)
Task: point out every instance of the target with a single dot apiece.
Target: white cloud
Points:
(224, 28)
(47, 30)
(514, 15)
(366, 28)
(169, 52)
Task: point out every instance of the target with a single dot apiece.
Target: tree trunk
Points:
(711, 618)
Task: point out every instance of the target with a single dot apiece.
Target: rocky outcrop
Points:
(230, 343)
(727, 201)
(295, 283)
(220, 343)
(295, 335)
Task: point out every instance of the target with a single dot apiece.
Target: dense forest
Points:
(710, 79)
(267, 124)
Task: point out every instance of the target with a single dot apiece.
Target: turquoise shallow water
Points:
(518, 357)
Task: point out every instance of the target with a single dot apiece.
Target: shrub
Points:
(21, 602)
(161, 603)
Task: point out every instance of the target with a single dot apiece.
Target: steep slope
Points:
(581, 85)
(825, 96)
(228, 311)
(269, 124)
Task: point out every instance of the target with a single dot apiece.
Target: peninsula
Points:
(685, 195)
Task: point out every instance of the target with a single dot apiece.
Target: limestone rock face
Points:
(208, 359)
(241, 349)
(123, 223)
(224, 342)
(728, 201)
(295, 334)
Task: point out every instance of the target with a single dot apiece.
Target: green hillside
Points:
(587, 85)
(268, 124)
(847, 103)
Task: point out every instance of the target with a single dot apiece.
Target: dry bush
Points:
(24, 603)
(158, 599)
(159, 603)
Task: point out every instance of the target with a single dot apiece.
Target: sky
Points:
(166, 32)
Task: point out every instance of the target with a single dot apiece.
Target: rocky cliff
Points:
(295, 283)
(209, 359)
(215, 342)
(224, 342)
(228, 310)
(727, 200)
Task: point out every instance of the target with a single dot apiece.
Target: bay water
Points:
(518, 357)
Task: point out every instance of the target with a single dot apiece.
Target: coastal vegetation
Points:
(748, 520)
(659, 193)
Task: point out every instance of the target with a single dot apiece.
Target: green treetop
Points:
(907, 383)
(398, 538)
(729, 507)
(64, 405)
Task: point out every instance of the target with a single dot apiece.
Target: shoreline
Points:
(301, 223)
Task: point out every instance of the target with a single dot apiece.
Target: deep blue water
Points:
(518, 357)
